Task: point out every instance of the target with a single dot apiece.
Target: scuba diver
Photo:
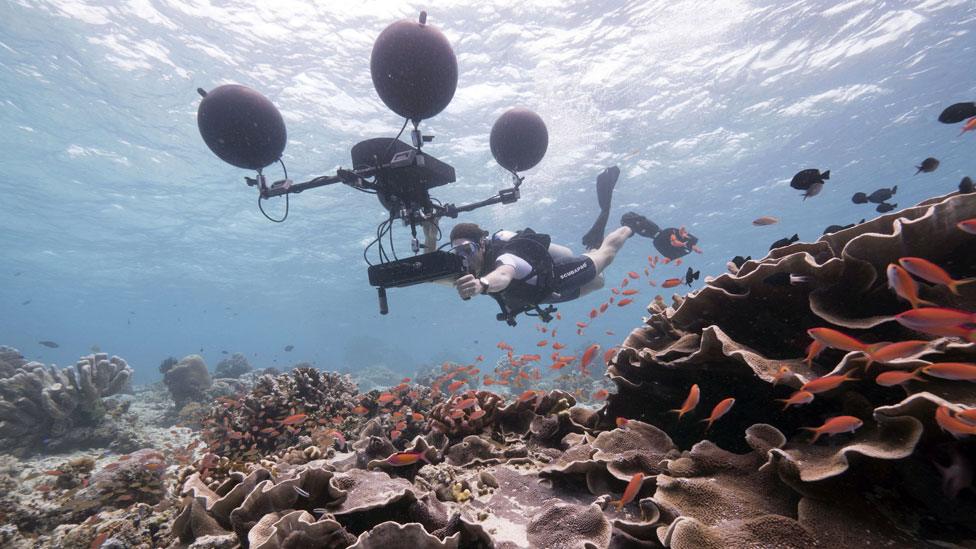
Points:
(522, 270)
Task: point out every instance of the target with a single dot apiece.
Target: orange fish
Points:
(826, 383)
(780, 374)
(601, 394)
(671, 283)
(401, 459)
(956, 371)
(588, 355)
(625, 302)
(581, 325)
(294, 419)
(938, 321)
(690, 402)
(836, 340)
(969, 126)
(652, 283)
(718, 411)
(477, 414)
(896, 377)
(504, 346)
(385, 398)
(542, 343)
(901, 282)
(603, 307)
(798, 398)
(930, 272)
(967, 226)
(416, 416)
(456, 414)
(893, 351)
(624, 282)
(609, 354)
(530, 358)
(360, 410)
(558, 365)
(593, 313)
(631, 292)
(630, 492)
(615, 291)
(633, 274)
(559, 316)
(969, 414)
(455, 386)
(622, 421)
(528, 395)
(99, 540)
(479, 358)
(952, 425)
(466, 403)
(834, 426)
(489, 381)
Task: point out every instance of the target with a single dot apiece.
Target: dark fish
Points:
(957, 113)
(691, 275)
(739, 261)
(884, 207)
(50, 344)
(785, 279)
(882, 195)
(288, 348)
(859, 198)
(223, 352)
(928, 165)
(835, 228)
(784, 242)
(804, 178)
(18, 273)
(26, 302)
(966, 185)
(201, 349)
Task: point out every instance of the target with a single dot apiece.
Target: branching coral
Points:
(37, 402)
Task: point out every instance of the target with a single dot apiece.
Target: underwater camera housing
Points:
(414, 72)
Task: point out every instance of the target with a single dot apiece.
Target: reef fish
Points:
(671, 283)
(885, 207)
(956, 371)
(952, 425)
(624, 302)
(784, 242)
(294, 419)
(288, 348)
(804, 179)
(834, 426)
(966, 185)
(939, 321)
(836, 340)
(401, 459)
(588, 355)
(967, 226)
(691, 276)
(630, 492)
(690, 402)
(897, 377)
(798, 398)
(930, 272)
(901, 282)
(886, 353)
(969, 126)
(49, 344)
(957, 112)
(765, 220)
(826, 383)
(928, 165)
(718, 411)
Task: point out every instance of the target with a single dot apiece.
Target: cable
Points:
(287, 201)
(392, 141)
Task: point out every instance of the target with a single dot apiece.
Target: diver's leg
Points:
(596, 284)
(603, 256)
(558, 251)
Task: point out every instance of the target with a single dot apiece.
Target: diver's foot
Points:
(640, 224)
(605, 183)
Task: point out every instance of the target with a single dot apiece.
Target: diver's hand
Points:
(467, 286)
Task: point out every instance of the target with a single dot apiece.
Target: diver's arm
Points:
(497, 280)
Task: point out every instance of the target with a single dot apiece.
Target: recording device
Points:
(414, 71)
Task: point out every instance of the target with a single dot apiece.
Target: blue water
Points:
(129, 234)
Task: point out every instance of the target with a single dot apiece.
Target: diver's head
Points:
(468, 241)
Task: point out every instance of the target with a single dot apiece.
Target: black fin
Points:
(605, 183)
(825, 175)
(594, 237)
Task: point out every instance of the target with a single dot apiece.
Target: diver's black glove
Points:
(640, 224)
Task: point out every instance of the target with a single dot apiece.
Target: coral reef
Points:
(233, 367)
(741, 337)
(60, 407)
(188, 379)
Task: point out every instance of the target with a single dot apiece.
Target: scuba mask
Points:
(467, 251)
